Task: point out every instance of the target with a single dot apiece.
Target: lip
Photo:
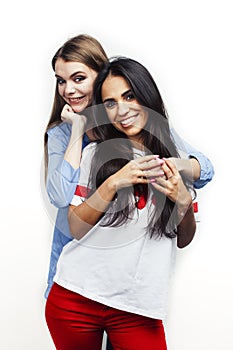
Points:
(75, 100)
(127, 121)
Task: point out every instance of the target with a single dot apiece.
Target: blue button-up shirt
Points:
(62, 180)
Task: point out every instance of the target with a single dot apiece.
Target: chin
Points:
(78, 109)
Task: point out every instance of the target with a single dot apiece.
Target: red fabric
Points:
(82, 191)
(195, 207)
(141, 199)
(77, 323)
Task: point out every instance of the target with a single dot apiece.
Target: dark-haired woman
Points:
(127, 219)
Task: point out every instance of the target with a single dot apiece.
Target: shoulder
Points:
(61, 130)
(89, 150)
(86, 161)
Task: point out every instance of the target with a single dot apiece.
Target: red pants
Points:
(78, 323)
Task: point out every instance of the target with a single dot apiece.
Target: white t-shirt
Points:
(120, 267)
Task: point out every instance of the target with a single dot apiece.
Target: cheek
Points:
(60, 90)
(145, 119)
(88, 87)
(111, 116)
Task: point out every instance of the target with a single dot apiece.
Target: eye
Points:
(110, 104)
(79, 78)
(130, 96)
(60, 81)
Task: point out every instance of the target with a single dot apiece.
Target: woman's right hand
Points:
(78, 124)
(142, 170)
(69, 116)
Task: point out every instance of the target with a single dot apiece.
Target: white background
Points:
(187, 46)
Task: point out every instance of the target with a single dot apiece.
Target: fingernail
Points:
(153, 180)
(160, 161)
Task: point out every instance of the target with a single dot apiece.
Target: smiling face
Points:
(75, 83)
(123, 110)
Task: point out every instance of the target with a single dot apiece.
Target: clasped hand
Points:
(162, 174)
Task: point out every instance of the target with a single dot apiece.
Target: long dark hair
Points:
(112, 156)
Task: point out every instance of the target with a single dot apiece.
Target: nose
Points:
(123, 108)
(69, 88)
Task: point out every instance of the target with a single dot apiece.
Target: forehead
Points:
(63, 68)
(114, 86)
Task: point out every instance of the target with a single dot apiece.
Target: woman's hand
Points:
(142, 170)
(190, 167)
(172, 185)
(87, 214)
(78, 123)
(69, 116)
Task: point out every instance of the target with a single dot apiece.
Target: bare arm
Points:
(190, 168)
(186, 227)
(174, 188)
(200, 177)
(74, 149)
(84, 216)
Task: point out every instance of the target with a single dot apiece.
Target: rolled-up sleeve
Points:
(62, 178)
(207, 169)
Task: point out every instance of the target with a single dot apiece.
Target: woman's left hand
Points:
(172, 185)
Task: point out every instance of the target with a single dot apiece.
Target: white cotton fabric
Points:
(120, 267)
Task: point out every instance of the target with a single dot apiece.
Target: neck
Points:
(137, 144)
(90, 135)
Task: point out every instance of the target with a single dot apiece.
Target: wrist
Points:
(79, 122)
(78, 130)
(182, 165)
(196, 167)
(184, 206)
(111, 184)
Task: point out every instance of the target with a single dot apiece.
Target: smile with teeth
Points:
(127, 121)
(76, 99)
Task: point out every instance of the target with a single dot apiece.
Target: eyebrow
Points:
(72, 75)
(124, 93)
